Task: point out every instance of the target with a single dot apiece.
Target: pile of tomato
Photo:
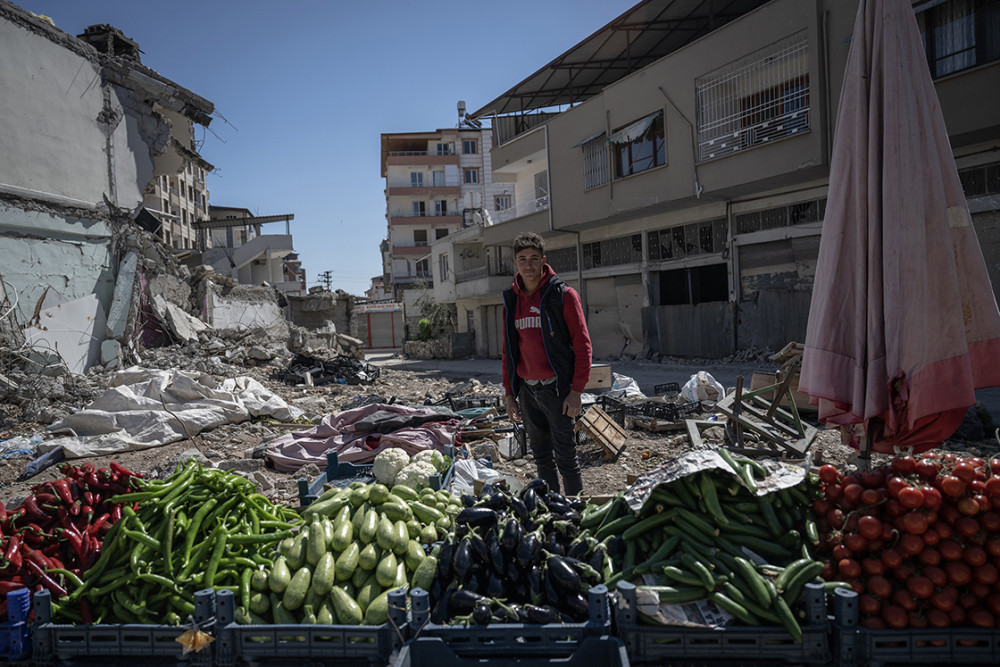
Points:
(918, 540)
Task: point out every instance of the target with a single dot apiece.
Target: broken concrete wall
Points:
(328, 311)
(232, 307)
(80, 137)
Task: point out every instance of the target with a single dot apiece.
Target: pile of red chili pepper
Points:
(57, 532)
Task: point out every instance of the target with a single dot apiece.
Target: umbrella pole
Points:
(872, 430)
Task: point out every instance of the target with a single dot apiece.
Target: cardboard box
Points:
(600, 377)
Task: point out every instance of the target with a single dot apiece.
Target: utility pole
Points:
(326, 279)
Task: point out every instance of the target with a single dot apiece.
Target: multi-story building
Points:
(179, 197)
(687, 174)
(436, 183)
(236, 247)
(179, 201)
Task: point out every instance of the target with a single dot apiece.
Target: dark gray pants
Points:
(550, 436)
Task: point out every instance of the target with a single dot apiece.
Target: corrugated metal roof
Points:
(645, 33)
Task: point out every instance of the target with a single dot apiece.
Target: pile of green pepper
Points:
(199, 528)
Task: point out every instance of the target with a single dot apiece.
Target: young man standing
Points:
(546, 362)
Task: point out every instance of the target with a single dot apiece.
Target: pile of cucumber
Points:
(358, 543)
(708, 536)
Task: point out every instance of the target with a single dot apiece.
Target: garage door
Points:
(385, 329)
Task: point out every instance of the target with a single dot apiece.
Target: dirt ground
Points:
(233, 446)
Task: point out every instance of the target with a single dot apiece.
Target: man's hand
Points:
(571, 406)
(512, 411)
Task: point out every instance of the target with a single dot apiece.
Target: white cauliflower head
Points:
(388, 463)
(432, 456)
(416, 475)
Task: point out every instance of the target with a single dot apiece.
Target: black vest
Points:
(555, 335)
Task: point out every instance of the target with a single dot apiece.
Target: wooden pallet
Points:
(596, 423)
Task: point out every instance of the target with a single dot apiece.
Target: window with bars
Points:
(696, 238)
(562, 260)
(781, 216)
(595, 163)
(959, 34)
(981, 180)
(613, 252)
(755, 100)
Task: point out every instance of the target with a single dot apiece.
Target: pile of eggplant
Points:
(517, 559)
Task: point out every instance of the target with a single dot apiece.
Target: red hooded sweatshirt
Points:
(533, 364)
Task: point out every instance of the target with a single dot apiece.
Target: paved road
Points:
(645, 373)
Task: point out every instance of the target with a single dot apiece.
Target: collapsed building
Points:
(88, 277)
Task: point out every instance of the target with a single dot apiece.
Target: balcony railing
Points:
(424, 214)
(417, 275)
(482, 272)
(521, 210)
(417, 153)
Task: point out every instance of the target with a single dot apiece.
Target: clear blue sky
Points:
(309, 87)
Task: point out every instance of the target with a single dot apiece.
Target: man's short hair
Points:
(526, 240)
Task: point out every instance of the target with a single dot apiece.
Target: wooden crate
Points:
(596, 423)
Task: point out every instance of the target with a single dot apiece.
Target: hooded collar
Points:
(547, 275)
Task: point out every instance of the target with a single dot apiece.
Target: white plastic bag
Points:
(704, 388)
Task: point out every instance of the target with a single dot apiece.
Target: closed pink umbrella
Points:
(903, 325)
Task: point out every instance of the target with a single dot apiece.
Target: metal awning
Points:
(642, 35)
(590, 138)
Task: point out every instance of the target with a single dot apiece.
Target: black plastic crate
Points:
(857, 646)
(664, 644)
(470, 401)
(668, 389)
(590, 652)
(512, 639)
(341, 474)
(236, 643)
(15, 643)
(56, 643)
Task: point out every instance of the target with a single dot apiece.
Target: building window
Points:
(562, 260)
(981, 180)
(416, 179)
(440, 232)
(191, 192)
(639, 146)
(184, 217)
(960, 34)
(755, 100)
(469, 146)
(419, 237)
(423, 269)
(166, 206)
(501, 202)
(419, 209)
(595, 162)
(781, 216)
(471, 175)
(444, 149)
(613, 252)
(696, 238)
(438, 178)
(443, 266)
(441, 207)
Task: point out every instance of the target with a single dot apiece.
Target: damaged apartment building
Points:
(96, 148)
(677, 164)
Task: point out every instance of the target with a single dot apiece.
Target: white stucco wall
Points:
(49, 137)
